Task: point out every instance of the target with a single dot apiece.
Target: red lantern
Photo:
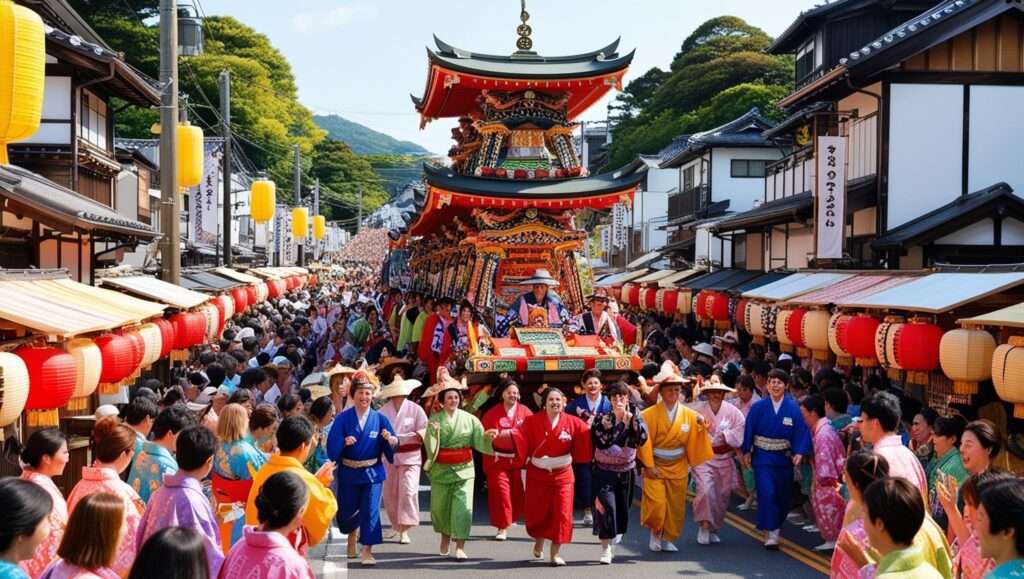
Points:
(650, 299)
(669, 301)
(739, 315)
(838, 338)
(273, 290)
(52, 377)
(860, 340)
(221, 313)
(700, 306)
(118, 358)
(718, 306)
(315, 280)
(138, 344)
(631, 294)
(197, 328)
(794, 326)
(240, 298)
(166, 336)
(250, 295)
(916, 349)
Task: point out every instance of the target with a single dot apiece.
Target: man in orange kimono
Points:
(677, 440)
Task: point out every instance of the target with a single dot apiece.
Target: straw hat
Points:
(730, 337)
(670, 375)
(704, 349)
(445, 384)
(399, 387)
(714, 384)
(388, 364)
(541, 276)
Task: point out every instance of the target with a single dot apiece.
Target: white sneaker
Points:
(826, 546)
(796, 518)
(606, 555)
(747, 504)
(403, 538)
(715, 538)
(588, 518)
(772, 542)
(703, 536)
(655, 543)
(617, 540)
(811, 528)
(501, 536)
(669, 546)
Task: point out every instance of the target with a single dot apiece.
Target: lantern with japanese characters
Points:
(211, 316)
(14, 387)
(1008, 373)
(964, 355)
(88, 366)
(838, 332)
(814, 333)
(51, 376)
(769, 321)
(22, 74)
(860, 340)
(228, 305)
(755, 322)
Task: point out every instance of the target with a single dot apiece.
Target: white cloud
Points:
(333, 19)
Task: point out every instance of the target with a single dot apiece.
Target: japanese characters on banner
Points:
(284, 248)
(831, 194)
(606, 241)
(619, 225)
(203, 210)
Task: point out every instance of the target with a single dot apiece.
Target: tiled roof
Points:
(743, 131)
(911, 28)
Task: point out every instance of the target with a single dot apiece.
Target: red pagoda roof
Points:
(458, 76)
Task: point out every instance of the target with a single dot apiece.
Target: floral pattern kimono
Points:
(46, 553)
(233, 462)
(826, 500)
(105, 480)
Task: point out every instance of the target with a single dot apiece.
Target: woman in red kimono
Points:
(505, 493)
(551, 441)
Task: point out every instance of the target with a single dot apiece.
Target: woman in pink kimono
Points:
(716, 478)
(264, 552)
(113, 446)
(401, 491)
(44, 457)
(827, 466)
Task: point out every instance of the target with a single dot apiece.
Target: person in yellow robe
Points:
(295, 440)
(677, 440)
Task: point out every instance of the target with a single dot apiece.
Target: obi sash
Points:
(454, 455)
(771, 444)
(349, 463)
(723, 449)
(409, 447)
(616, 458)
(551, 463)
(226, 490)
(669, 454)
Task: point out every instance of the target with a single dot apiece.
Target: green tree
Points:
(342, 174)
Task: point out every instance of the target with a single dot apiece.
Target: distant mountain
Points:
(364, 140)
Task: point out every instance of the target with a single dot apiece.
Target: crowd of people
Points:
(327, 406)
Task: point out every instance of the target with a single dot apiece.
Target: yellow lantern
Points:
(300, 222)
(1008, 373)
(814, 330)
(89, 362)
(964, 356)
(22, 74)
(319, 227)
(263, 200)
(190, 155)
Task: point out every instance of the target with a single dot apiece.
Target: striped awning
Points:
(158, 290)
(795, 285)
(237, 275)
(63, 308)
(854, 288)
(938, 292)
(655, 276)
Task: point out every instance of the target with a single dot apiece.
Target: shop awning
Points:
(237, 275)
(761, 280)
(796, 284)
(938, 292)
(51, 304)
(621, 278)
(159, 290)
(699, 283)
(643, 259)
(788, 209)
(672, 280)
(854, 288)
(655, 276)
(735, 278)
(1010, 317)
(206, 281)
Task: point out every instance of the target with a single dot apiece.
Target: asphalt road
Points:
(738, 555)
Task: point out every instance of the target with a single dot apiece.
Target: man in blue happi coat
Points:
(359, 440)
(776, 440)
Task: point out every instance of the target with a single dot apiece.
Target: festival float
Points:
(512, 200)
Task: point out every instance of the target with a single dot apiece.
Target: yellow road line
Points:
(807, 557)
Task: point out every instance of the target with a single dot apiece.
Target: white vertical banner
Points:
(606, 242)
(831, 197)
(619, 225)
(203, 209)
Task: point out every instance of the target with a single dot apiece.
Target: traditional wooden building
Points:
(926, 112)
(58, 194)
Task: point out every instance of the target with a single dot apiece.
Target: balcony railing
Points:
(687, 202)
(862, 146)
(790, 175)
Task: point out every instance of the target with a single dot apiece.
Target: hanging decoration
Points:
(152, 336)
(814, 333)
(264, 200)
(88, 366)
(167, 338)
(1008, 373)
(739, 315)
(22, 73)
(838, 332)
(916, 348)
(782, 330)
(51, 373)
(117, 361)
(860, 340)
(14, 388)
(964, 355)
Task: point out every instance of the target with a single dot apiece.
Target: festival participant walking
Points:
(776, 440)
(45, 456)
(360, 439)
(234, 463)
(716, 478)
(505, 492)
(401, 491)
(677, 440)
(587, 408)
(827, 465)
(552, 440)
(452, 434)
(616, 437)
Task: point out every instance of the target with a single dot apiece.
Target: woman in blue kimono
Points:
(776, 440)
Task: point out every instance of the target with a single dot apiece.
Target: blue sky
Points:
(362, 58)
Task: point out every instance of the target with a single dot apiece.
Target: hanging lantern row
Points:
(263, 202)
(22, 74)
(53, 372)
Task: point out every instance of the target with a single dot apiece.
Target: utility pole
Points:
(359, 219)
(170, 251)
(297, 178)
(315, 212)
(224, 82)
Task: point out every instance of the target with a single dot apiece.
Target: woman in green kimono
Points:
(452, 434)
(946, 462)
